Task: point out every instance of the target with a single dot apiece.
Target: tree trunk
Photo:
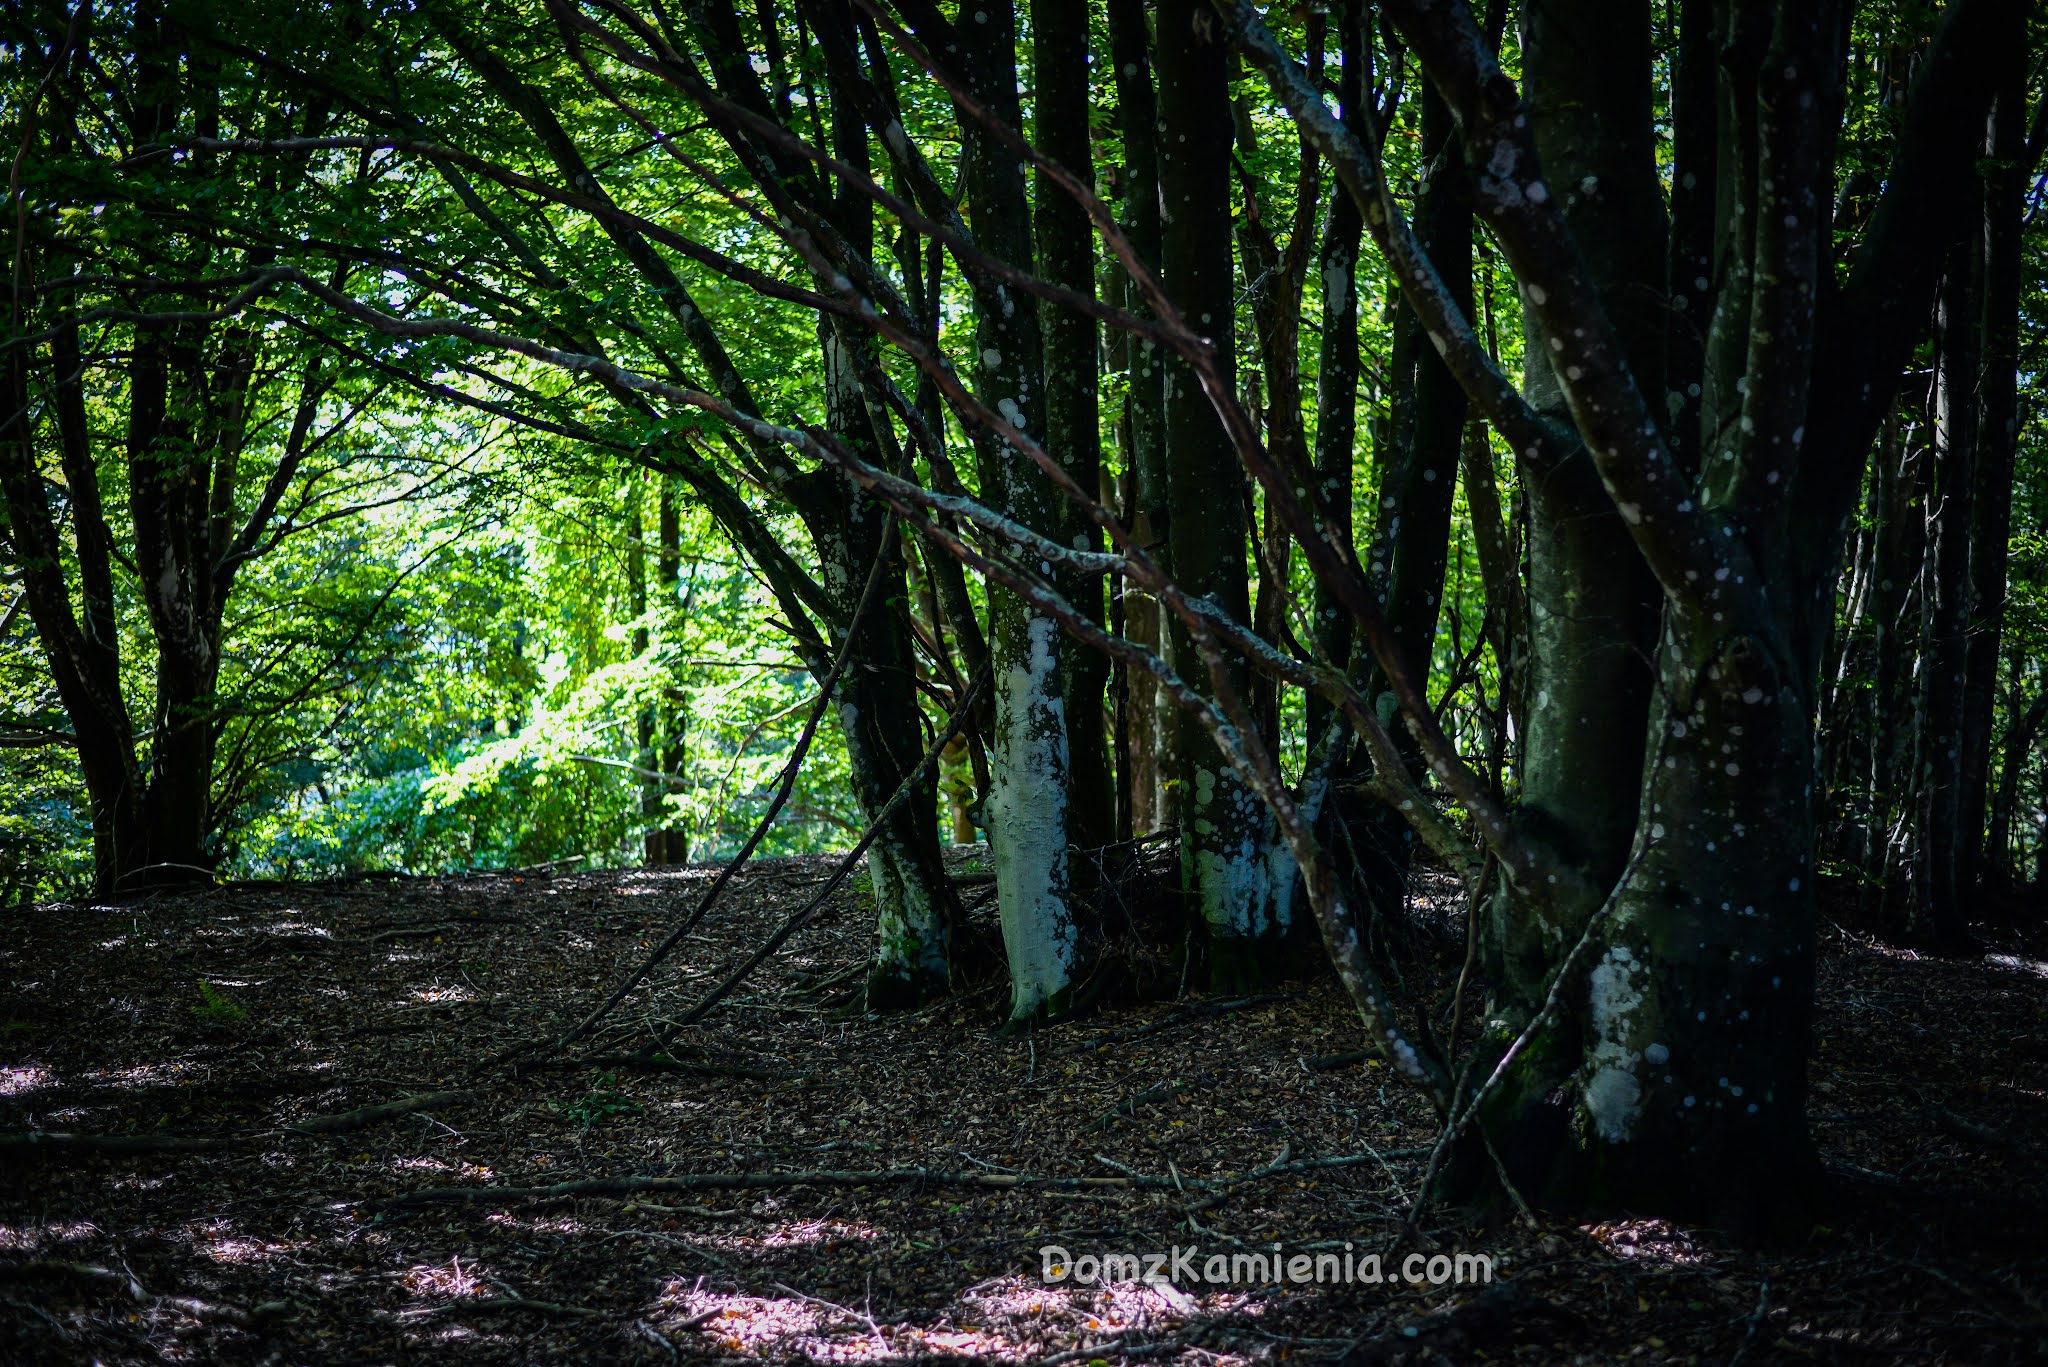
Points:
(1937, 914)
(1065, 243)
(1143, 428)
(1592, 602)
(1234, 869)
(1997, 432)
(84, 653)
(1043, 743)
(169, 490)
(1337, 355)
(2019, 742)
(669, 841)
(879, 717)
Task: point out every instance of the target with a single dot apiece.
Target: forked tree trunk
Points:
(1653, 968)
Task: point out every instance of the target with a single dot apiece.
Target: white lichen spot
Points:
(1613, 1095)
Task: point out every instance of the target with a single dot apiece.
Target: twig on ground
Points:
(743, 1181)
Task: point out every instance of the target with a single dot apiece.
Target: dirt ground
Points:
(224, 1196)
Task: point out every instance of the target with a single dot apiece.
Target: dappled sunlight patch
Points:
(221, 1242)
(776, 1325)
(42, 1236)
(796, 1234)
(144, 1075)
(1654, 1243)
(443, 1281)
(809, 1232)
(27, 1078)
(2018, 965)
(1005, 1317)
(474, 1172)
(296, 930)
(71, 1115)
(544, 1225)
(444, 994)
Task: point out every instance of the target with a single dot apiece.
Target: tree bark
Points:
(1042, 744)
(1235, 871)
(1147, 780)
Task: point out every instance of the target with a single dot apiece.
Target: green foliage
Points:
(601, 1103)
(217, 1007)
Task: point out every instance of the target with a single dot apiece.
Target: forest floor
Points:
(224, 1196)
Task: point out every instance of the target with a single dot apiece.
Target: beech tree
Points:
(986, 380)
(1688, 500)
(158, 437)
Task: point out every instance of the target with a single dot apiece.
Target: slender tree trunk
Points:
(1065, 244)
(2019, 742)
(669, 843)
(877, 705)
(1939, 915)
(1997, 432)
(1144, 423)
(1418, 480)
(1337, 354)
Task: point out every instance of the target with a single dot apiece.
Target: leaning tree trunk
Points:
(83, 648)
(877, 703)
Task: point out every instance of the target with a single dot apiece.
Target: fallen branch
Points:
(365, 1116)
(665, 1064)
(344, 1122)
(133, 1287)
(1978, 1133)
(66, 1141)
(998, 1181)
